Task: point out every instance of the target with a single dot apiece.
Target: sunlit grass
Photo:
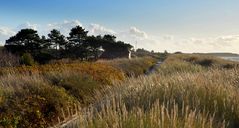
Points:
(195, 100)
(190, 96)
(37, 96)
(133, 67)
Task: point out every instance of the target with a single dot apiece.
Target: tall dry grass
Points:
(185, 94)
(31, 101)
(34, 96)
(185, 100)
(8, 60)
(194, 63)
(133, 67)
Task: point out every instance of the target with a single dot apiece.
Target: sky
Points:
(172, 25)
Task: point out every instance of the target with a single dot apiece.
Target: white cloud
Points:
(172, 43)
(228, 43)
(96, 29)
(228, 38)
(64, 27)
(133, 31)
(27, 25)
(5, 33)
(138, 38)
(168, 37)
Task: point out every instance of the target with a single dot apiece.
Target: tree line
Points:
(78, 45)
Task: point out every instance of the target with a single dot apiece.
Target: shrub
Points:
(26, 59)
(80, 86)
(29, 101)
(102, 73)
(34, 96)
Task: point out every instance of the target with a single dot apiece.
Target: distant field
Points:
(227, 56)
(231, 58)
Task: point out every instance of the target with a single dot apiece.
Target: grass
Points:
(30, 101)
(180, 97)
(99, 72)
(34, 96)
(194, 63)
(134, 67)
(188, 91)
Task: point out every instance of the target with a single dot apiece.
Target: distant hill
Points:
(222, 54)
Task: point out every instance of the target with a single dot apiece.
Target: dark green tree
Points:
(56, 39)
(26, 40)
(77, 46)
(110, 38)
(95, 46)
(45, 43)
(77, 36)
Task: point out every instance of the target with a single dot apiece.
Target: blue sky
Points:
(173, 25)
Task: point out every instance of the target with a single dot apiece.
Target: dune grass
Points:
(34, 96)
(175, 98)
(134, 67)
(188, 91)
(194, 63)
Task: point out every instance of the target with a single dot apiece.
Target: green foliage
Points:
(27, 59)
(144, 53)
(80, 86)
(27, 39)
(35, 96)
(56, 39)
(78, 46)
(30, 101)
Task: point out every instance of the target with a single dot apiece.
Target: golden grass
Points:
(194, 63)
(185, 100)
(100, 72)
(187, 95)
(133, 67)
(31, 101)
(34, 96)
(189, 91)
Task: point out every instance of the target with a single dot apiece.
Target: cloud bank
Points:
(5, 33)
(137, 37)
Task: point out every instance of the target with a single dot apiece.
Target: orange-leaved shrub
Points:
(102, 73)
(35, 96)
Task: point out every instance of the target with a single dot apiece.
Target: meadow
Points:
(38, 95)
(188, 91)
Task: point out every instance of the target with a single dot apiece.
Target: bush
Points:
(30, 101)
(102, 73)
(26, 59)
(34, 96)
(80, 86)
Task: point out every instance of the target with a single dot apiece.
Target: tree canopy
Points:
(26, 40)
(78, 45)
